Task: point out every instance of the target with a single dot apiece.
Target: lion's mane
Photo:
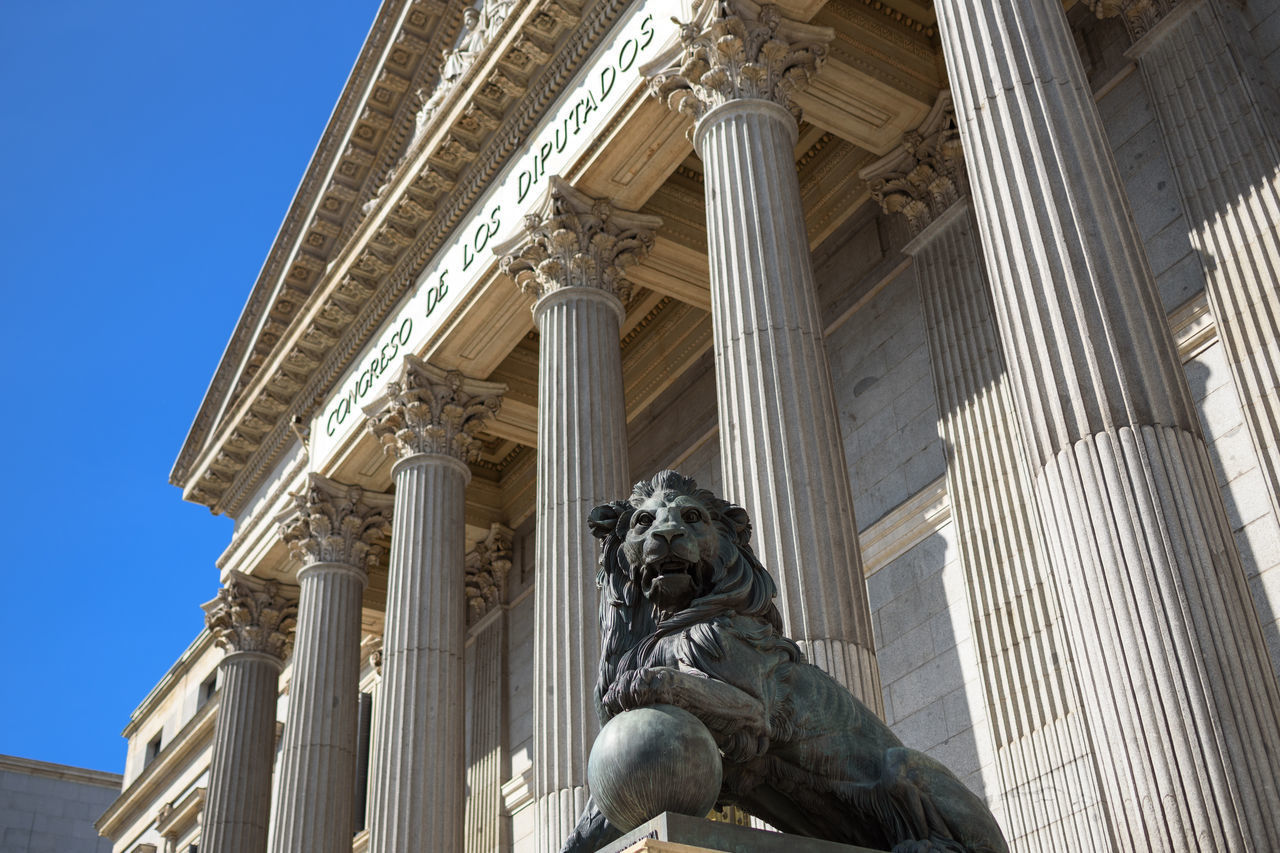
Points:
(739, 586)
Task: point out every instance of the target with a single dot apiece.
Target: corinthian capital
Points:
(573, 240)
(1139, 16)
(429, 410)
(734, 49)
(487, 565)
(332, 522)
(924, 175)
(251, 615)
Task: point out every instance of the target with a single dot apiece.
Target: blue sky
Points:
(150, 152)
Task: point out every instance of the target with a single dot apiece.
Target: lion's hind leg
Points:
(934, 810)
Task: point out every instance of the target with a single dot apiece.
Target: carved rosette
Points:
(926, 174)
(486, 567)
(734, 49)
(331, 522)
(573, 240)
(1139, 16)
(251, 615)
(434, 411)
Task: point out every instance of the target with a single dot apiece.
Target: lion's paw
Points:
(636, 689)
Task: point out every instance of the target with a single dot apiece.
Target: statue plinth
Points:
(677, 833)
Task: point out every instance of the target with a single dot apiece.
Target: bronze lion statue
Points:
(688, 619)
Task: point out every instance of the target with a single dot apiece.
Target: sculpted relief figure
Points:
(688, 620)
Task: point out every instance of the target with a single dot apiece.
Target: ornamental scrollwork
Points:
(251, 615)
(573, 240)
(1139, 16)
(434, 411)
(332, 522)
(926, 174)
(487, 566)
(734, 49)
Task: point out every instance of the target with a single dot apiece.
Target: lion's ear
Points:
(603, 520)
(738, 519)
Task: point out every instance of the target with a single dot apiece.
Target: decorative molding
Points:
(925, 175)
(905, 526)
(177, 816)
(486, 572)
(370, 299)
(734, 49)
(251, 615)
(61, 772)
(429, 410)
(395, 53)
(331, 522)
(573, 240)
(1139, 16)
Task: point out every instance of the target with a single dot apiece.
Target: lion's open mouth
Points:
(669, 583)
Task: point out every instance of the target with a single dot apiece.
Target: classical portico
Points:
(888, 275)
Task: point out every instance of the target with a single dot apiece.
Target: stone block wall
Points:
(49, 808)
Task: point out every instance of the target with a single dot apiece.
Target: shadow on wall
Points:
(925, 652)
(1241, 481)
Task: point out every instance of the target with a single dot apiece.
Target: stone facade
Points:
(992, 365)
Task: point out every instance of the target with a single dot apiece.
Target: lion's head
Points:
(673, 554)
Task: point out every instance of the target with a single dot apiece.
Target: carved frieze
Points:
(734, 49)
(487, 566)
(429, 410)
(332, 522)
(926, 174)
(573, 240)
(251, 615)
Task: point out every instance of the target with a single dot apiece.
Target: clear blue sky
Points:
(150, 151)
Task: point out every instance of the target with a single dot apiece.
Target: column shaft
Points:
(781, 451)
(1045, 757)
(238, 809)
(486, 828)
(317, 762)
(419, 783)
(1182, 706)
(582, 462)
(1224, 155)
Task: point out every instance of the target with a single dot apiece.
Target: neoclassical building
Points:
(972, 305)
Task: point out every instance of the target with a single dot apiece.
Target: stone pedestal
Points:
(781, 451)
(677, 833)
(331, 528)
(571, 258)
(254, 622)
(428, 419)
(1182, 705)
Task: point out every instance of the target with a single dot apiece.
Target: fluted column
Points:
(571, 257)
(487, 830)
(1048, 775)
(780, 446)
(332, 528)
(1182, 705)
(1204, 78)
(428, 419)
(254, 621)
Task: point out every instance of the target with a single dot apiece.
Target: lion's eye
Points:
(692, 516)
(644, 519)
